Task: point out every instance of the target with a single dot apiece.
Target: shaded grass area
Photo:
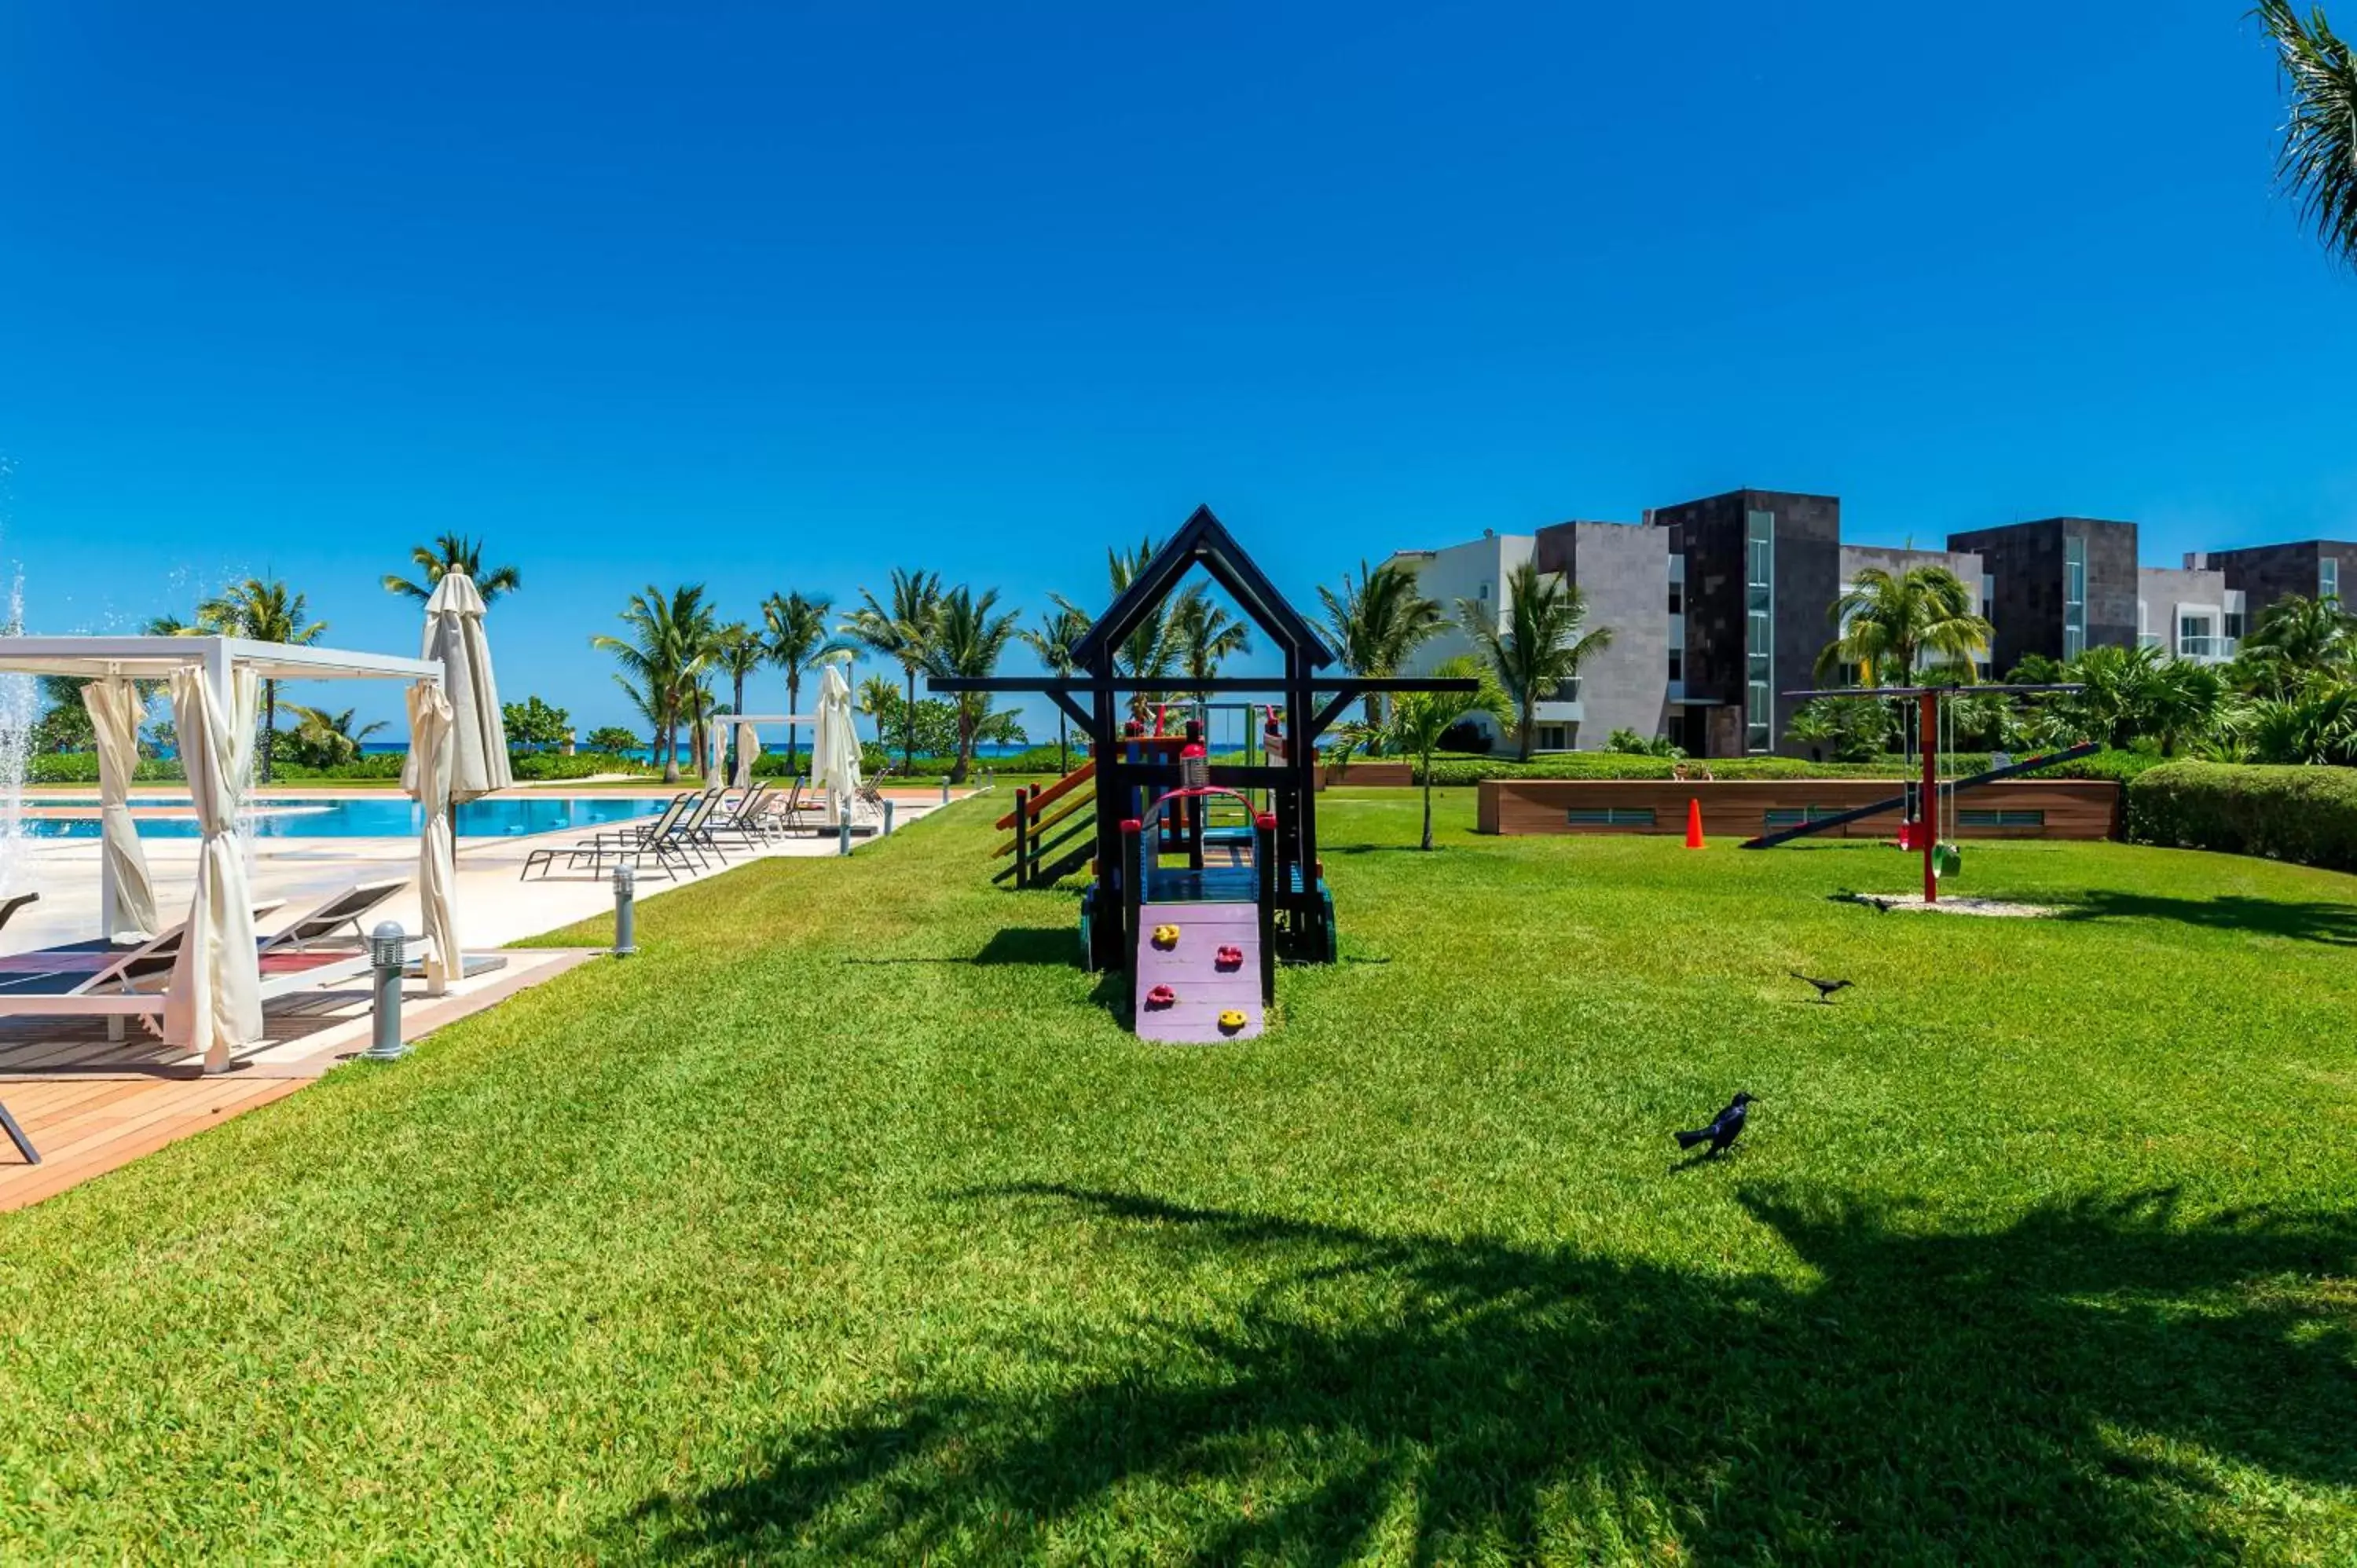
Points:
(849, 1222)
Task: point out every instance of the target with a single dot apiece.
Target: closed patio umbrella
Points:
(748, 746)
(215, 1001)
(835, 745)
(478, 737)
(433, 756)
(474, 737)
(114, 710)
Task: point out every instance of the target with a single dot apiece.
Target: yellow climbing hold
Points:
(1166, 937)
(1232, 1019)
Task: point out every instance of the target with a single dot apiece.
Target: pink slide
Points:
(1198, 972)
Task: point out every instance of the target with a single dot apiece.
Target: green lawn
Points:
(847, 1221)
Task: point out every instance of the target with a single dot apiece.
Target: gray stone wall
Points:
(2267, 573)
(1807, 580)
(2026, 559)
(1624, 572)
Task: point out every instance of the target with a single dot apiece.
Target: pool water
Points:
(390, 817)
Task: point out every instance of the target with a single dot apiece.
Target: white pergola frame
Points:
(155, 658)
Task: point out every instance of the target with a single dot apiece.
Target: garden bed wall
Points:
(2053, 808)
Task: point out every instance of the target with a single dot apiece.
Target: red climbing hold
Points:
(1161, 996)
(1231, 958)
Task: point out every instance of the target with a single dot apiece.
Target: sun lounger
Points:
(17, 1136)
(630, 846)
(100, 980)
(8, 906)
(334, 924)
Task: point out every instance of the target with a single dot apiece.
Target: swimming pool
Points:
(395, 816)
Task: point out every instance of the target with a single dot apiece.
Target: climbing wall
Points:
(1180, 953)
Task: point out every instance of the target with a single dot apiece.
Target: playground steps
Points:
(1202, 988)
(1052, 831)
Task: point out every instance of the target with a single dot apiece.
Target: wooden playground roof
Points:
(1204, 539)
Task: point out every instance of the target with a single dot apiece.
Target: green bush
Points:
(2305, 813)
(81, 768)
(378, 765)
(537, 765)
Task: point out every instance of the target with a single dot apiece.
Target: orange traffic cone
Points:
(1694, 824)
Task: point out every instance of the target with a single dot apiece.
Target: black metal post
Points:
(1265, 860)
(1022, 837)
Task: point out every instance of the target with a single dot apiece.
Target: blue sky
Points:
(781, 297)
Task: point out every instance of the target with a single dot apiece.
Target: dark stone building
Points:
(1761, 570)
(2265, 573)
(2056, 586)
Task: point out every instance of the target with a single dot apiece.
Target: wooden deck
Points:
(90, 1105)
(85, 1126)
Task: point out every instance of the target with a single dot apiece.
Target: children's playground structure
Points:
(1206, 873)
(1928, 807)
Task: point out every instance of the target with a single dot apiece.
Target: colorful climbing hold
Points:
(1231, 958)
(1161, 996)
(1231, 1020)
(1166, 937)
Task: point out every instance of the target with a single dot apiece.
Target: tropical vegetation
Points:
(799, 642)
(1060, 630)
(2316, 165)
(901, 627)
(1418, 720)
(1895, 626)
(1377, 622)
(970, 636)
(1537, 647)
(453, 553)
(667, 646)
(261, 610)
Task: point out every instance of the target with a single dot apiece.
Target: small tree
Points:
(610, 738)
(533, 726)
(1418, 719)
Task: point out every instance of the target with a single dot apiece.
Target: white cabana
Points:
(467, 760)
(835, 745)
(214, 1003)
(127, 892)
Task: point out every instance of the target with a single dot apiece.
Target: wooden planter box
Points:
(1744, 808)
(1373, 774)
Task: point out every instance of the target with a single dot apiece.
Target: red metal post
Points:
(1927, 808)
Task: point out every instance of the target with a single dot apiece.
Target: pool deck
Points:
(90, 1105)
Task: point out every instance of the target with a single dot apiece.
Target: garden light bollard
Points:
(626, 911)
(388, 956)
(946, 789)
(843, 834)
(888, 818)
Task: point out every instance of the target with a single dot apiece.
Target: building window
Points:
(2193, 639)
(2327, 577)
(1677, 663)
(2145, 636)
(2232, 629)
(1677, 598)
(1677, 730)
(1988, 594)
(1551, 738)
(1760, 629)
(2075, 596)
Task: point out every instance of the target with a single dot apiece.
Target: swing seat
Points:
(1947, 860)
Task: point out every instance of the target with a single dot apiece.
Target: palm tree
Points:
(323, 739)
(1059, 631)
(2298, 639)
(970, 636)
(1420, 718)
(1379, 621)
(262, 611)
(2316, 164)
(1890, 623)
(1153, 647)
(1207, 636)
(670, 645)
(1539, 647)
(876, 700)
(902, 630)
(798, 644)
(453, 553)
(737, 650)
(2181, 700)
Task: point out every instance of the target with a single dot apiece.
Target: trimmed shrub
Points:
(2306, 814)
(1463, 772)
(376, 764)
(81, 768)
(546, 765)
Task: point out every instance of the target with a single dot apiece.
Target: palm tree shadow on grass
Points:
(2035, 1393)
(2302, 919)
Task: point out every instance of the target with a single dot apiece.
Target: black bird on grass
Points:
(1825, 988)
(1723, 1129)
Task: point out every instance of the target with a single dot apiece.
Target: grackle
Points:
(1825, 988)
(1723, 1129)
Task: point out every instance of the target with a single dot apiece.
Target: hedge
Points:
(1463, 772)
(81, 768)
(2304, 814)
(545, 764)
